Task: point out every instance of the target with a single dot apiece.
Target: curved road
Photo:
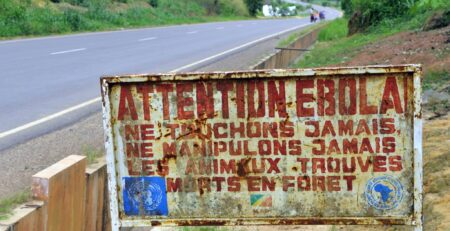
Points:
(55, 80)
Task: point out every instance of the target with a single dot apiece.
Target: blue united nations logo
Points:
(145, 196)
(384, 192)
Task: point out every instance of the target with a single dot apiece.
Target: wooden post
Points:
(26, 217)
(62, 188)
(97, 208)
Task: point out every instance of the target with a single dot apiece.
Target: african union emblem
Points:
(384, 192)
(145, 196)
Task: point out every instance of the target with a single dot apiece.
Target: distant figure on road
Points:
(312, 13)
(316, 16)
(322, 15)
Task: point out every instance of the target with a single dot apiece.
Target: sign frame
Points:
(415, 220)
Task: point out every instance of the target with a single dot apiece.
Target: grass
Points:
(8, 204)
(335, 47)
(435, 79)
(329, 3)
(336, 30)
(25, 18)
(294, 36)
(92, 154)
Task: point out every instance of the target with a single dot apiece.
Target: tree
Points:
(253, 6)
(346, 6)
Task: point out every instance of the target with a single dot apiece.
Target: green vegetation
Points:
(294, 36)
(8, 204)
(42, 17)
(254, 6)
(92, 154)
(329, 3)
(284, 8)
(366, 13)
(335, 47)
(436, 79)
(338, 29)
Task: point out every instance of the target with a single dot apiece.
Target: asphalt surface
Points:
(43, 76)
(20, 162)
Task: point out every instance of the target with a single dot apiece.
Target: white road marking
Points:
(50, 117)
(94, 33)
(220, 28)
(146, 39)
(192, 32)
(68, 51)
(95, 100)
(239, 47)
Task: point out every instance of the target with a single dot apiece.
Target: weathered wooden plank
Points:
(62, 189)
(95, 196)
(28, 216)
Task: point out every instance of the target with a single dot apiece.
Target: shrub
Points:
(153, 3)
(73, 2)
(335, 30)
(347, 7)
(367, 13)
(232, 8)
(24, 17)
(74, 19)
(211, 6)
(253, 6)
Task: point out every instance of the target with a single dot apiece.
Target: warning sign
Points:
(313, 146)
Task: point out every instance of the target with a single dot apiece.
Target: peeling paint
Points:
(310, 146)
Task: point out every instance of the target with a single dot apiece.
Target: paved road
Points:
(43, 76)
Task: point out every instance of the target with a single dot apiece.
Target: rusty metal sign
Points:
(306, 146)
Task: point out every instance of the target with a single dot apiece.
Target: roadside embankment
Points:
(404, 40)
(43, 17)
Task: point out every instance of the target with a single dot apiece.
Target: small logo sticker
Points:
(145, 196)
(384, 192)
(261, 200)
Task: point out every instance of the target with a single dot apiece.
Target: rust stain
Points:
(262, 149)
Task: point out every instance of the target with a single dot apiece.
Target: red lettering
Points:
(379, 164)
(147, 167)
(260, 109)
(391, 89)
(253, 183)
(165, 89)
(184, 101)
(174, 185)
(277, 98)
(349, 180)
(233, 184)
(325, 97)
(303, 98)
(287, 182)
(364, 107)
(395, 163)
(205, 100)
(343, 85)
(126, 104)
(145, 90)
(224, 88)
(240, 99)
